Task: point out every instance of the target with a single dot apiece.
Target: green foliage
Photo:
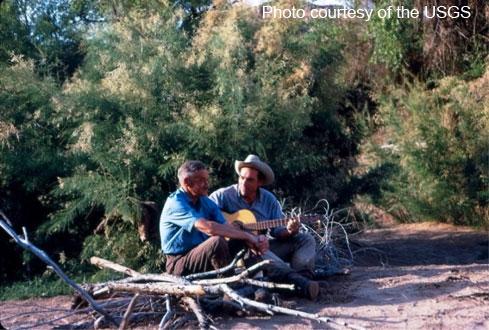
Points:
(57, 36)
(121, 122)
(85, 190)
(31, 155)
(45, 31)
(38, 286)
(14, 33)
(439, 140)
(396, 40)
(430, 47)
(271, 91)
(49, 284)
(120, 243)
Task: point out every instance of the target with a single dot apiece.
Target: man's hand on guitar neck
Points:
(293, 226)
(292, 229)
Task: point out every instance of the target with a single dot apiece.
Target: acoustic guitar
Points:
(247, 221)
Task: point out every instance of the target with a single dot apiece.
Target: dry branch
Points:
(24, 243)
(125, 320)
(155, 278)
(168, 313)
(195, 307)
(235, 278)
(219, 271)
(102, 263)
(159, 288)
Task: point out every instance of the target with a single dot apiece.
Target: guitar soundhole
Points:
(238, 224)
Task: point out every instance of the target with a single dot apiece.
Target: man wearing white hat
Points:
(287, 244)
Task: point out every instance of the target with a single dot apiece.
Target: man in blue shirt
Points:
(192, 228)
(298, 249)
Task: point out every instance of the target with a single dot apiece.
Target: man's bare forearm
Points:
(212, 228)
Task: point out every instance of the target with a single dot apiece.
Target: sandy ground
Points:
(427, 276)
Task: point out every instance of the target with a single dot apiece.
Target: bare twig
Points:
(43, 256)
(180, 322)
(217, 271)
(268, 285)
(127, 315)
(7, 220)
(235, 278)
(197, 310)
(102, 263)
(168, 313)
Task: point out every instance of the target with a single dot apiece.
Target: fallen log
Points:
(102, 263)
(160, 288)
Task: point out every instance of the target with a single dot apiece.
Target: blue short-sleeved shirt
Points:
(177, 231)
(264, 207)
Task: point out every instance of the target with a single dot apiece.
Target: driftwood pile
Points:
(174, 301)
(196, 293)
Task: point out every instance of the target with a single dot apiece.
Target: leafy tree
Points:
(31, 155)
(14, 33)
(273, 92)
(39, 48)
(150, 96)
(122, 116)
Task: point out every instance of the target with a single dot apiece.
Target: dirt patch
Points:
(430, 276)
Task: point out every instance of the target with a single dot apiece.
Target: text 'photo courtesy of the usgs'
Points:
(428, 12)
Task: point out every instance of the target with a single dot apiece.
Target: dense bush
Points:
(439, 141)
(31, 156)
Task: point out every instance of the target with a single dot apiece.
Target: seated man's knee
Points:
(220, 255)
(218, 243)
(306, 239)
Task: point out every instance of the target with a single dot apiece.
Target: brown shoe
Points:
(307, 288)
(312, 290)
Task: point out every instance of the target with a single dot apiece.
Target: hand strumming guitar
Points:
(259, 244)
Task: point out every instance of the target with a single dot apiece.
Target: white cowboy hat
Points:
(255, 162)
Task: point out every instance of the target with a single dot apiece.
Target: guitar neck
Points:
(262, 225)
